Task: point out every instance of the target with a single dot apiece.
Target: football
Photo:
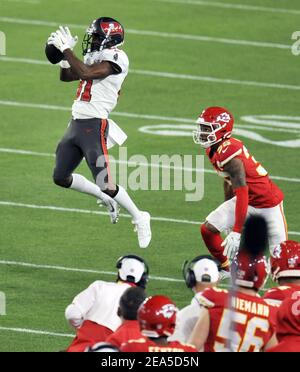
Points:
(53, 54)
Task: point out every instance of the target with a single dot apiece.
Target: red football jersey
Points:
(288, 324)
(128, 330)
(277, 294)
(245, 327)
(263, 193)
(144, 344)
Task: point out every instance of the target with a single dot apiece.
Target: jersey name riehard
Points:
(144, 344)
(97, 98)
(263, 193)
(245, 327)
(100, 301)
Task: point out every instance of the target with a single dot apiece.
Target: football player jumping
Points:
(248, 188)
(100, 78)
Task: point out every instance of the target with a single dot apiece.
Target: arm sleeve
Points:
(241, 207)
(86, 299)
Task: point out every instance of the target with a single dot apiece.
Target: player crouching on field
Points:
(199, 274)
(94, 311)
(248, 188)
(157, 318)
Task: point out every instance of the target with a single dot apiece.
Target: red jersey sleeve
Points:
(212, 297)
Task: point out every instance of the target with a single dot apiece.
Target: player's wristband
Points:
(64, 64)
(241, 207)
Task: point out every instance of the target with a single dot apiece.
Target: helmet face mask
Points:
(213, 125)
(104, 32)
(205, 134)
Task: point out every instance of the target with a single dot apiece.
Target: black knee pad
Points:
(63, 182)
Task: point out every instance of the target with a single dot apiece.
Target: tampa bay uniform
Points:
(87, 132)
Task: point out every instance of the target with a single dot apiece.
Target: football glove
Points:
(231, 245)
(62, 39)
(72, 41)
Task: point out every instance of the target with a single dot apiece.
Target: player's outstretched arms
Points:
(86, 72)
(67, 75)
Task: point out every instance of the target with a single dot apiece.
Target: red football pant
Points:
(88, 335)
(213, 243)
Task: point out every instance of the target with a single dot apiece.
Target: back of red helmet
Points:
(285, 260)
(157, 316)
(249, 271)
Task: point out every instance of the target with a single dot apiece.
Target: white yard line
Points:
(242, 7)
(131, 163)
(36, 332)
(87, 211)
(73, 269)
(170, 75)
(142, 116)
(168, 35)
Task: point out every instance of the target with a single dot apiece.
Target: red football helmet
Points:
(285, 260)
(157, 316)
(249, 272)
(213, 125)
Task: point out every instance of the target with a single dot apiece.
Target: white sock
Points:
(125, 201)
(81, 184)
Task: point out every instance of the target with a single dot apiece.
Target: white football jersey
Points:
(100, 301)
(97, 98)
(186, 320)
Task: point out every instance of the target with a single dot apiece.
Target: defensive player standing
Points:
(101, 76)
(248, 189)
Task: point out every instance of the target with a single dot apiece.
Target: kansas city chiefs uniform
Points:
(278, 294)
(288, 325)
(263, 193)
(244, 328)
(144, 344)
(97, 98)
(265, 197)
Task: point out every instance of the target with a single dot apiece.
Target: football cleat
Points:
(112, 207)
(143, 229)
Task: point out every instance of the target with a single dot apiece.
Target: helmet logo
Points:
(115, 28)
(224, 117)
(168, 311)
(276, 252)
(292, 262)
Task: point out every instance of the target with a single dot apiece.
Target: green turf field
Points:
(211, 65)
